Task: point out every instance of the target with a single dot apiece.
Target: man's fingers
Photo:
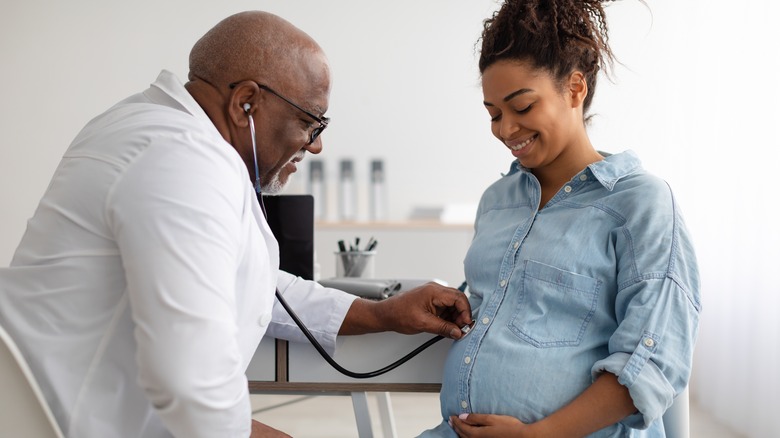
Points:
(450, 330)
(431, 308)
(454, 299)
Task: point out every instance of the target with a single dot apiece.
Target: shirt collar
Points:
(168, 90)
(608, 171)
(613, 168)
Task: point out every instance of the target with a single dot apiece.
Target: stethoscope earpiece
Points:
(247, 107)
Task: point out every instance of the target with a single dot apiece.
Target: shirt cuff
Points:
(321, 309)
(650, 391)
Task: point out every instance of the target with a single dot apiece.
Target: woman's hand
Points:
(488, 426)
(604, 403)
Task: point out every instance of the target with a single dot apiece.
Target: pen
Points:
(345, 259)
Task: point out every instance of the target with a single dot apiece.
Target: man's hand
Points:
(430, 308)
(260, 430)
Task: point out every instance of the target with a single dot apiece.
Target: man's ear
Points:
(578, 88)
(241, 103)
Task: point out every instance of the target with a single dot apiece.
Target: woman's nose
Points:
(508, 128)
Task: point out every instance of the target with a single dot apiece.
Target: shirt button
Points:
(264, 319)
(567, 189)
(503, 283)
(649, 342)
(517, 244)
(485, 320)
(467, 360)
(583, 177)
(463, 404)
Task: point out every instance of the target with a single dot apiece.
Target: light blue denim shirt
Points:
(602, 279)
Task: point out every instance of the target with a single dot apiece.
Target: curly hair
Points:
(559, 36)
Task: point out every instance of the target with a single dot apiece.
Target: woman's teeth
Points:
(517, 147)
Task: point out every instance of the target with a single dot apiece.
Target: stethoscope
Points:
(300, 323)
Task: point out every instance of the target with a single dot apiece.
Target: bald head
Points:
(253, 45)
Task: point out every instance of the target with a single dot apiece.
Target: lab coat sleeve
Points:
(176, 215)
(321, 309)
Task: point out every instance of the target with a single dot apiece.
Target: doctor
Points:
(145, 279)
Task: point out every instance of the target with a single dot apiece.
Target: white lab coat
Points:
(145, 279)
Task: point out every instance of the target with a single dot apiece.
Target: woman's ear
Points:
(578, 88)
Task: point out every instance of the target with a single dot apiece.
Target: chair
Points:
(23, 410)
(677, 417)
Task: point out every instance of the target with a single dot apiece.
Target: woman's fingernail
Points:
(449, 421)
(463, 416)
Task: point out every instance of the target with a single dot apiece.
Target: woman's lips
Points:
(522, 148)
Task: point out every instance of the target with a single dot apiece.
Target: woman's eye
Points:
(497, 117)
(494, 116)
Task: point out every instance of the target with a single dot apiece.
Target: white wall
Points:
(697, 98)
(406, 88)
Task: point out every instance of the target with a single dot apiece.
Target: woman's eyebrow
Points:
(510, 96)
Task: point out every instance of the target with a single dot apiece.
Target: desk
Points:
(406, 250)
(280, 367)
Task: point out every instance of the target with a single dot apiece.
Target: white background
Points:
(696, 96)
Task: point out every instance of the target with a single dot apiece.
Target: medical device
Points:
(343, 370)
(466, 329)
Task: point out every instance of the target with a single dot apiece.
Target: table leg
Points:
(362, 414)
(386, 415)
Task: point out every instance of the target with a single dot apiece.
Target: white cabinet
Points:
(366, 353)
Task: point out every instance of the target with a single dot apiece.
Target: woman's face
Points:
(530, 113)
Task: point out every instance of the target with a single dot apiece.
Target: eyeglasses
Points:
(323, 121)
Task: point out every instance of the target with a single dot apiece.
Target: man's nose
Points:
(315, 147)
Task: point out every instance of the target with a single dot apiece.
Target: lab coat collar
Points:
(168, 90)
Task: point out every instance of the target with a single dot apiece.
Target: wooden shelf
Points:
(390, 225)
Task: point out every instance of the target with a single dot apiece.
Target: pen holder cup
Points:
(355, 264)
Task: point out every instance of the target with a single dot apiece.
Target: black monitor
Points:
(291, 218)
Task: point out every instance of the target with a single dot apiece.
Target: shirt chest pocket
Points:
(555, 306)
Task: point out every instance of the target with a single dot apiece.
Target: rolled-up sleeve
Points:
(657, 309)
(651, 352)
(321, 309)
